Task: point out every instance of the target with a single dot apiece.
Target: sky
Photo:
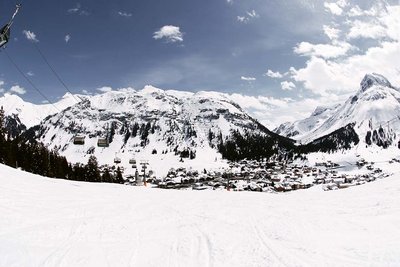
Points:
(279, 59)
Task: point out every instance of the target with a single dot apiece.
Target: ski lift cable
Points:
(55, 73)
(78, 99)
(29, 80)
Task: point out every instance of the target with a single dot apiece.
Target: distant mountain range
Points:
(175, 128)
(164, 127)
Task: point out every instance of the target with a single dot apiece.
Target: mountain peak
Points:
(322, 109)
(370, 80)
(13, 97)
(149, 89)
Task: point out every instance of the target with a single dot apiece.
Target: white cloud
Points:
(75, 9)
(300, 109)
(274, 101)
(86, 92)
(127, 90)
(322, 76)
(242, 19)
(287, 86)
(356, 11)
(124, 14)
(272, 74)
(249, 102)
(333, 50)
(67, 38)
(331, 32)
(229, 1)
(170, 33)
(249, 79)
(252, 14)
(273, 111)
(249, 16)
(78, 10)
(367, 29)
(17, 89)
(31, 36)
(336, 8)
(30, 73)
(261, 107)
(337, 68)
(105, 89)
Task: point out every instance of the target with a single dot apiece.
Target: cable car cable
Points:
(29, 80)
(55, 73)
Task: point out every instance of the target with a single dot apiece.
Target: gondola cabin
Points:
(132, 161)
(4, 35)
(117, 160)
(79, 140)
(134, 166)
(102, 142)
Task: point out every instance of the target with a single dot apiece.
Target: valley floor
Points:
(47, 222)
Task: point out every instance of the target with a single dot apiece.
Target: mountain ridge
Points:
(375, 107)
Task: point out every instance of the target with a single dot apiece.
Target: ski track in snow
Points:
(48, 222)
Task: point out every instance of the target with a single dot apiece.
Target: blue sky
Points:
(283, 54)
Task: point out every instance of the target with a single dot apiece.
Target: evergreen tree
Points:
(145, 130)
(119, 178)
(112, 132)
(106, 177)
(210, 135)
(127, 136)
(92, 173)
(135, 129)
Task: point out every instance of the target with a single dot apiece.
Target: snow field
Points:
(48, 222)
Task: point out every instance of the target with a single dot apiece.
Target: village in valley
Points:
(261, 176)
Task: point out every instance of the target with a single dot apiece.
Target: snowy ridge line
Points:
(31, 114)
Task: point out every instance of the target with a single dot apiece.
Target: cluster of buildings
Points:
(266, 176)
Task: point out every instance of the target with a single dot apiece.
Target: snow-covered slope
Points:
(298, 129)
(375, 110)
(31, 114)
(150, 124)
(49, 222)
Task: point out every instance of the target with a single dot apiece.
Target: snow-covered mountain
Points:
(30, 114)
(151, 124)
(374, 110)
(298, 129)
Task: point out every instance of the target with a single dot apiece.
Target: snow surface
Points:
(49, 222)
